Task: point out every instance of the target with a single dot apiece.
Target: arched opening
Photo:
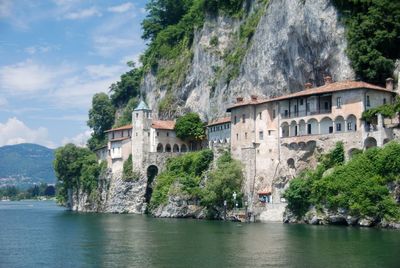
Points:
(293, 128)
(339, 124)
(175, 148)
(290, 163)
(312, 126)
(160, 148)
(294, 146)
(168, 148)
(183, 148)
(152, 172)
(326, 125)
(302, 145)
(351, 123)
(370, 142)
(285, 130)
(311, 145)
(302, 127)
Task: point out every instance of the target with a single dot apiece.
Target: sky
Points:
(54, 56)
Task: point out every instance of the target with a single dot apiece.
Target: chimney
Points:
(253, 97)
(389, 84)
(239, 99)
(328, 80)
(307, 85)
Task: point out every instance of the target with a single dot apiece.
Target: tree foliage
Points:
(184, 173)
(222, 182)
(101, 118)
(373, 31)
(76, 168)
(126, 116)
(128, 87)
(360, 186)
(190, 126)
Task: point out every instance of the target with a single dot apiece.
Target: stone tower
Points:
(141, 125)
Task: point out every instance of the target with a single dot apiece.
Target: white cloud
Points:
(121, 8)
(79, 140)
(82, 14)
(39, 49)
(102, 71)
(107, 45)
(3, 102)
(15, 131)
(29, 77)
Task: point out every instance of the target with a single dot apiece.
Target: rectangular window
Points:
(301, 102)
(235, 119)
(228, 126)
(237, 136)
(368, 102)
(167, 134)
(349, 126)
(243, 118)
(269, 132)
(245, 135)
(122, 134)
(158, 134)
(273, 114)
(260, 115)
(338, 127)
(309, 128)
(330, 130)
(339, 102)
(384, 100)
(307, 107)
(137, 115)
(261, 135)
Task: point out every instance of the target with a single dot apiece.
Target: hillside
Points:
(25, 164)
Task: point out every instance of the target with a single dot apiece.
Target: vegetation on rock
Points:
(386, 110)
(373, 30)
(359, 186)
(76, 168)
(183, 173)
(222, 182)
(128, 174)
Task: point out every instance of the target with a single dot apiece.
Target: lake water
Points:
(41, 234)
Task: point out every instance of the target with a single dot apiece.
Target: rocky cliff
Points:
(294, 42)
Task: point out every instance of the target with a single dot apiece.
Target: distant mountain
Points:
(25, 164)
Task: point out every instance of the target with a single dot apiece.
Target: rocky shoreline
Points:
(339, 217)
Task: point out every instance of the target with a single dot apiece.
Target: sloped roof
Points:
(329, 88)
(120, 128)
(142, 106)
(219, 121)
(163, 124)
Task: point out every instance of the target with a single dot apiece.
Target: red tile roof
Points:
(332, 87)
(163, 124)
(219, 121)
(120, 139)
(119, 128)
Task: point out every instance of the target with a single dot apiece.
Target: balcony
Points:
(305, 113)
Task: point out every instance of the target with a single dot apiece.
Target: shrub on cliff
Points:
(189, 126)
(360, 186)
(128, 174)
(222, 182)
(76, 168)
(186, 171)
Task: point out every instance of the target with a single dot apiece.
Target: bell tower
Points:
(141, 125)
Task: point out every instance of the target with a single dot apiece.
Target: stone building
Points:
(119, 146)
(275, 138)
(219, 131)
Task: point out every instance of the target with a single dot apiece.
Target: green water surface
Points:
(40, 234)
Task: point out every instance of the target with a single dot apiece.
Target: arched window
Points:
(176, 148)
(351, 123)
(184, 148)
(326, 125)
(168, 148)
(160, 148)
(370, 142)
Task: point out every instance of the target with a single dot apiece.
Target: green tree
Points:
(126, 116)
(128, 87)
(373, 30)
(101, 118)
(190, 126)
(222, 182)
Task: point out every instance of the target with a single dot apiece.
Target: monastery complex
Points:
(274, 138)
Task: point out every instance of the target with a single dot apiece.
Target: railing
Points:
(305, 113)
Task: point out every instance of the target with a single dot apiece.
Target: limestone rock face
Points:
(295, 42)
(179, 207)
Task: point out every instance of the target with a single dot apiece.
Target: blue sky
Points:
(54, 55)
